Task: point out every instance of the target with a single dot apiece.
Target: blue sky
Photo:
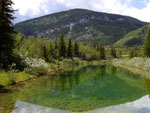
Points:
(28, 9)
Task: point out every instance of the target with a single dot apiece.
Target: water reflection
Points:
(146, 83)
(81, 89)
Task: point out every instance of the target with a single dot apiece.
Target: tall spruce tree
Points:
(119, 54)
(113, 52)
(56, 46)
(62, 46)
(76, 49)
(55, 50)
(45, 55)
(94, 45)
(69, 51)
(131, 54)
(50, 49)
(102, 52)
(147, 45)
(6, 33)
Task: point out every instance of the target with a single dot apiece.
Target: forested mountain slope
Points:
(81, 25)
(135, 37)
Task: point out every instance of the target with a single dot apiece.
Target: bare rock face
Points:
(141, 105)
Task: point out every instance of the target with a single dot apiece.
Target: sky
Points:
(28, 9)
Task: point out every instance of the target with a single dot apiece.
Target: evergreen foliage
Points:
(6, 33)
(94, 45)
(132, 54)
(147, 45)
(69, 50)
(45, 54)
(100, 27)
(76, 49)
(102, 52)
(134, 38)
(119, 54)
(51, 50)
(113, 52)
(62, 47)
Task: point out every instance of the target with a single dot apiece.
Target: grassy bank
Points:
(55, 68)
(138, 66)
(136, 62)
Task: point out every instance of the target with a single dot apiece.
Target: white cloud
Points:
(34, 8)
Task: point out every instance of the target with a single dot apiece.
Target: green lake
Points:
(79, 89)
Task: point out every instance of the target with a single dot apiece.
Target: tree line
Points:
(39, 47)
(13, 45)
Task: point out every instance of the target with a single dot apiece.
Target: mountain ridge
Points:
(135, 37)
(81, 25)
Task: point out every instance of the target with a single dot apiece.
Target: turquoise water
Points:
(80, 89)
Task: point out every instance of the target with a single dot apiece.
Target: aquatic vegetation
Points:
(79, 89)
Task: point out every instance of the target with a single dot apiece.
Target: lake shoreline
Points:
(56, 71)
(124, 63)
(137, 62)
(132, 67)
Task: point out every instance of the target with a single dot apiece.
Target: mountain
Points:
(81, 25)
(135, 37)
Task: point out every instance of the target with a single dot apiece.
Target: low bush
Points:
(37, 71)
(41, 70)
(31, 71)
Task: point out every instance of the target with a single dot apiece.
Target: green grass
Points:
(11, 77)
(7, 78)
(125, 56)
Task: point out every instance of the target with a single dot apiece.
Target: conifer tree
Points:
(69, 51)
(6, 32)
(97, 48)
(62, 47)
(119, 54)
(102, 52)
(45, 55)
(94, 45)
(113, 52)
(56, 49)
(56, 46)
(131, 54)
(76, 49)
(50, 51)
(147, 45)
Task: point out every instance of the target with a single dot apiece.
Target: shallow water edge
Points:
(141, 105)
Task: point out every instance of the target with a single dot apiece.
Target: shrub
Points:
(37, 71)
(41, 70)
(31, 71)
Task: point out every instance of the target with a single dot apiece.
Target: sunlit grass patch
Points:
(9, 77)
